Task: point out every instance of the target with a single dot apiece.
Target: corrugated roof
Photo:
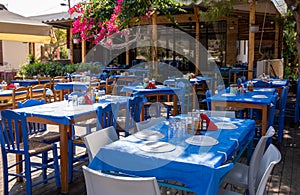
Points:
(60, 20)
(280, 6)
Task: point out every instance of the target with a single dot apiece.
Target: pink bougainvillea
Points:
(100, 19)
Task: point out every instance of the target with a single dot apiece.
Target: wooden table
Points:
(159, 91)
(58, 113)
(246, 101)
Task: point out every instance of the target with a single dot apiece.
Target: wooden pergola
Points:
(251, 8)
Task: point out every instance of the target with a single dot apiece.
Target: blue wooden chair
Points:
(105, 118)
(279, 116)
(14, 139)
(133, 113)
(183, 101)
(208, 103)
(38, 131)
(126, 122)
(271, 116)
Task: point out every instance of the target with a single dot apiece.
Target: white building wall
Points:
(14, 54)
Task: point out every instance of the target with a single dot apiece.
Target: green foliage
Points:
(61, 37)
(215, 9)
(290, 54)
(92, 67)
(53, 69)
(46, 69)
(291, 72)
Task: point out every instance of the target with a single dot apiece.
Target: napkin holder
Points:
(210, 125)
(150, 86)
(88, 100)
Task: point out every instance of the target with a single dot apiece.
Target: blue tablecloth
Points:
(62, 112)
(276, 83)
(123, 76)
(72, 86)
(265, 90)
(29, 82)
(26, 83)
(161, 89)
(200, 168)
(193, 81)
(248, 97)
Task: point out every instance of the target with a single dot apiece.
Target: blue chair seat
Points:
(36, 131)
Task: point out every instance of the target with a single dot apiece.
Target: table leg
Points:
(63, 130)
(19, 168)
(143, 113)
(195, 98)
(264, 124)
(61, 95)
(175, 100)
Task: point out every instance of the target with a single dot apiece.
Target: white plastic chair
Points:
(94, 141)
(148, 123)
(271, 157)
(244, 176)
(98, 183)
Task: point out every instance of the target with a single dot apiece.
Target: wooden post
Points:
(1, 54)
(32, 49)
(251, 39)
(276, 41)
(71, 45)
(197, 55)
(154, 48)
(83, 51)
(43, 51)
(127, 52)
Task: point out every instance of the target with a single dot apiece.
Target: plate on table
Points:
(259, 96)
(149, 135)
(225, 125)
(139, 87)
(277, 82)
(201, 140)
(151, 146)
(228, 94)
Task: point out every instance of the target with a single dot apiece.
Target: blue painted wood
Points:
(14, 139)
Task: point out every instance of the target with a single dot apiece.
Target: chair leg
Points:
(5, 173)
(168, 112)
(70, 161)
(56, 166)
(28, 175)
(44, 166)
(280, 129)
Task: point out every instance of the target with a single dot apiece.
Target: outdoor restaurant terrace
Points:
(153, 108)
